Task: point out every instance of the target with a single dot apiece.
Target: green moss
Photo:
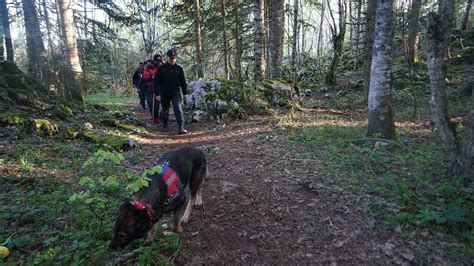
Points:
(63, 112)
(45, 127)
(9, 118)
(114, 141)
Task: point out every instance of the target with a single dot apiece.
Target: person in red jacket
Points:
(148, 79)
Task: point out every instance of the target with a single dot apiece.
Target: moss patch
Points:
(63, 112)
(9, 118)
(114, 141)
(44, 127)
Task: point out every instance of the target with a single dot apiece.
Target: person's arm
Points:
(182, 82)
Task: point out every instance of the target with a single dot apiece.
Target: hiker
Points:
(136, 79)
(153, 104)
(169, 79)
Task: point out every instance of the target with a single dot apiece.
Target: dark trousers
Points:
(176, 99)
(142, 96)
(149, 100)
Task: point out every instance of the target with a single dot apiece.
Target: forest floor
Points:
(273, 198)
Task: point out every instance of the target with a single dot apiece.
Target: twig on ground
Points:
(125, 257)
(379, 139)
(175, 254)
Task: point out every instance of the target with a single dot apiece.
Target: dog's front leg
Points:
(151, 234)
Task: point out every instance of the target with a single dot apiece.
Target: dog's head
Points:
(132, 223)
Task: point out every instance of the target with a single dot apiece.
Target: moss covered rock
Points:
(44, 127)
(63, 112)
(114, 141)
(8, 118)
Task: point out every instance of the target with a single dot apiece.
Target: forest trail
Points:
(256, 206)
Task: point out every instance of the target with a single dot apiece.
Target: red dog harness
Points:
(171, 180)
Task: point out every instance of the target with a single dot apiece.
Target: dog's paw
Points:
(178, 229)
(198, 199)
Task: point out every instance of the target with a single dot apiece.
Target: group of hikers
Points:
(162, 83)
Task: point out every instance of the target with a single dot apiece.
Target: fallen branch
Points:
(379, 139)
(125, 257)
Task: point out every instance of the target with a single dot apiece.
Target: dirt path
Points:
(256, 209)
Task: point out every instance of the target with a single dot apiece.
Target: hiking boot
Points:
(182, 131)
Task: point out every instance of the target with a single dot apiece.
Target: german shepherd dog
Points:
(175, 186)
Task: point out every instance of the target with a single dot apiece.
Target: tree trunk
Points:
(338, 43)
(320, 35)
(413, 29)
(438, 36)
(238, 43)
(268, 63)
(48, 26)
(198, 39)
(380, 104)
(465, 18)
(357, 34)
(369, 41)
(465, 159)
(2, 48)
(259, 51)
(295, 38)
(37, 59)
(6, 30)
(73, 67)
(226, 44)
(277, 27)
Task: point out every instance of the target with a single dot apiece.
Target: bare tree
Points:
(198, 39)
(48, 26)
(238, 42)
(413, 29)
(295, 35)
(73, 66)
(337, 39)
(268, 62)
(2, 48)
(259, 51)
(380, 103)
(465, 18)
(437, 40)
(37, 59)
(369, 40)
(224, 40)
(6, 30)
(277, 27)
(320, 35)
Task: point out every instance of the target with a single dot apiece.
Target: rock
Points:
(88, 126)
(131, 144)
(219, 106)
(44, 127)
(227, 186)
(198, 116)
(44, 106)
(282, 88)
(381, 144)
(388, 249)
(407, 254)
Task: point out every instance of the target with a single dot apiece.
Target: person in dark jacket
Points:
(170, 87)
(137, 77)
